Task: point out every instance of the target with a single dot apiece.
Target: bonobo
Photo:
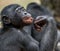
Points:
(15, 17)
(44, 30)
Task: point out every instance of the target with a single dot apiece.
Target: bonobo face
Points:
(16, 16)
(24, 16)
(40, 22)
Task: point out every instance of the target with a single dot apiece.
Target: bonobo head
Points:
(15, 16)
(36, 10)
(40, 22)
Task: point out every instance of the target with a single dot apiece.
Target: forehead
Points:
(19, 8)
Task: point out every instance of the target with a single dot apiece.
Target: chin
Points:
(27, 24)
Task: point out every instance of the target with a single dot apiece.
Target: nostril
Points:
(25, 13)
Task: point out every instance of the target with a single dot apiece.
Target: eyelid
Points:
(18, 11)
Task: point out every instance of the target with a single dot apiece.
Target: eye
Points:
(19, 11)
(23, 9)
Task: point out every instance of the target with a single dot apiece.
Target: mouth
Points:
(39, 24)
(27, 20)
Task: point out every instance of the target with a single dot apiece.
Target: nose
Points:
(25, 13)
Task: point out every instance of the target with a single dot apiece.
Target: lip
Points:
(39, 24)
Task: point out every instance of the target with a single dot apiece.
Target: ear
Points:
(6, 20)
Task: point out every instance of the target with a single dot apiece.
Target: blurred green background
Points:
(24, 3)
(53, 5)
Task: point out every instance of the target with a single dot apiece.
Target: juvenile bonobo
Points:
(15, 17)
(44, 30)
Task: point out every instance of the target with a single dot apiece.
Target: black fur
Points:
(47, 38)
(11, 38)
